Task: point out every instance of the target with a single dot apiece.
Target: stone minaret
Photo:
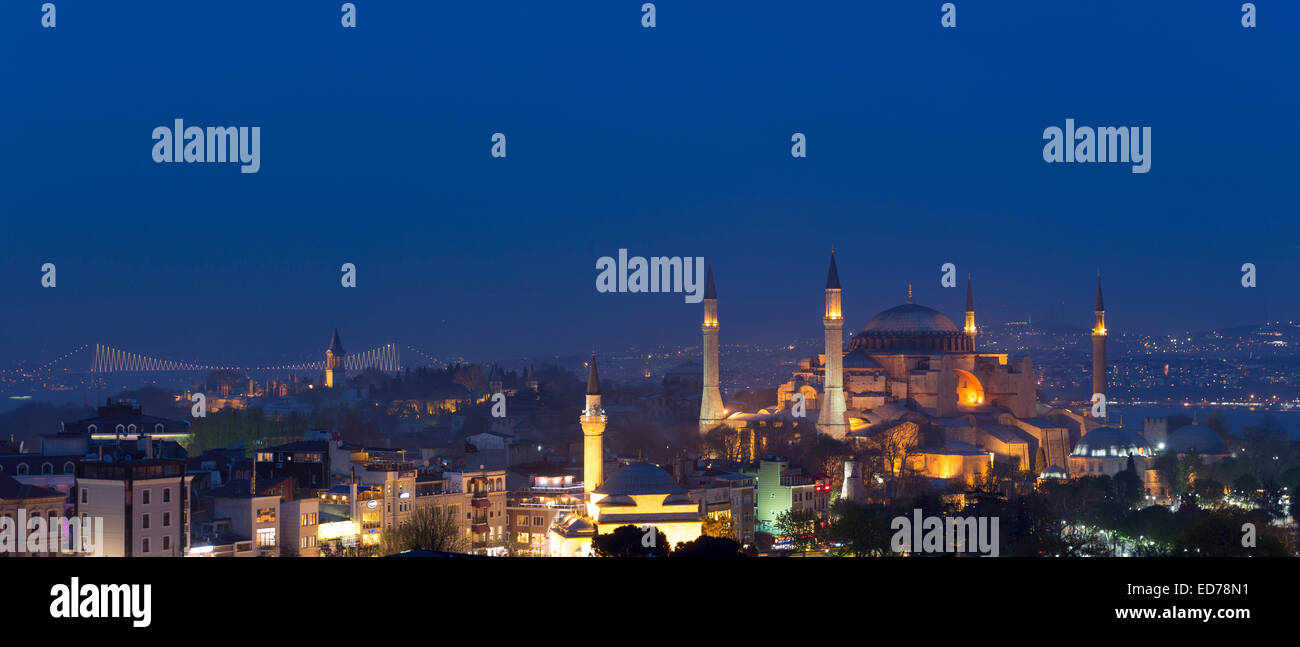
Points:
(334, 371)
(711, 411)
(832, 420)
(971, 330)
(593, 438)
(1099, 343)
(852, 489)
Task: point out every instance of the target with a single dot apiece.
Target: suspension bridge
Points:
(108, 359)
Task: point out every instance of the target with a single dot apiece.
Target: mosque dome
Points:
(1195, 439)
(911, 327)
(1104, 442)
(639, 478)
(910, 317)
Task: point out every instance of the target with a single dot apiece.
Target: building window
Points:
(47, 468)
(93, 428)
(130, 429)
(144, 520)
(167, 541)
(158, 428)
(266, 537)
(144, 498)
(167, 495)
(167, 521)
(84, 494)
(266, 515)
(69, 467)
(22, 469)
(144, 544)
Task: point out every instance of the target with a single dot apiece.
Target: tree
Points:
(631, 541)
(800, 526)
(1128, 485)
(1245, 485)
(706, 546)
(859, 530)
(429, 528)
(1208, 492)
(723, 527)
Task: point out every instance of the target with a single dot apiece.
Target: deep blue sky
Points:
(924, 148)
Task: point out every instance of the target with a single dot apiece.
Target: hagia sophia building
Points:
(910, 378)
(912, 373)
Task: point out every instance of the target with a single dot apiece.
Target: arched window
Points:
(22, 469)
(92, 428)
(121, 428)
(130, 429)
(158, 428)
(69, 467)
(47, 468)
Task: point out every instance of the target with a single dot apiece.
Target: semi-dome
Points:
(639, 478)
(1110, 442)
(911, 327)
(1195, 439)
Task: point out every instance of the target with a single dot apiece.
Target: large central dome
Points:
(911, 317)
(911, 327)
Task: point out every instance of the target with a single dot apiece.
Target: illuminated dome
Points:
(1111, 441)
(1195, 439)
(911, 327)
(639, 478)
(910, 317)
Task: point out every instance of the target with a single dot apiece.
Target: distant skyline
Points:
(924, 147)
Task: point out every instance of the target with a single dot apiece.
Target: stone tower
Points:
(970, 329)
(711, 411)
(832, 420)
(335, 374)
(852, 489)
(1099, 343)
(593, 438)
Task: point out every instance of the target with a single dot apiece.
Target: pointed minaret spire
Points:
(710, 292)
(593, 379)
(1100, 307)
(909, 293)
(970, 295)
(833, 274)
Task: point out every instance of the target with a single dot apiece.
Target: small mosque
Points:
(637, 494)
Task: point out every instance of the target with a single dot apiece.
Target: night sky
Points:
(924, 147)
